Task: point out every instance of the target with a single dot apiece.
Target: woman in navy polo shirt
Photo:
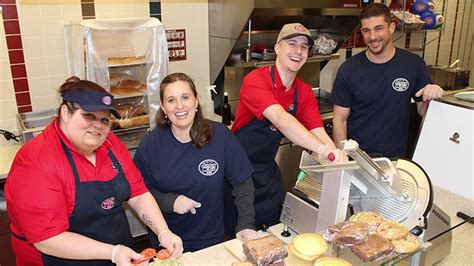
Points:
(185, 162)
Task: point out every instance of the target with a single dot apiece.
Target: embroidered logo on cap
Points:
(108, 204)
(208, 167)
(400, 84)
(107, 100)
(300, 28)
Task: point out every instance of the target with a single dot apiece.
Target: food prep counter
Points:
(226, 253)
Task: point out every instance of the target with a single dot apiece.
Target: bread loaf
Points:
(265, 250)
(125, 60)
(130, 110)
(127, 91)
(131, 122)
(116, 78)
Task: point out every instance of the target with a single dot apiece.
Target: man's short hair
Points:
(376, 10)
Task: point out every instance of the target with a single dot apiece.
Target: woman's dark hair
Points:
(76, 84)
(375, 10)
(201, 132)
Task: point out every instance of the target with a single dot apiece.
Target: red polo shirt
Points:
(40, 189)
(258, 92)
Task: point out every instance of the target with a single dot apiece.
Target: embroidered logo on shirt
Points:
(208, 167)
(291, 107)
(400, 84)
(108, 204)
(115, 167)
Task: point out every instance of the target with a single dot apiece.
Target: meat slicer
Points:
(325, 194)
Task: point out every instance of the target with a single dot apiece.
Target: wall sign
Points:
(176, 44)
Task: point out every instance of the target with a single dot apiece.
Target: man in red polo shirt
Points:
(273, 104)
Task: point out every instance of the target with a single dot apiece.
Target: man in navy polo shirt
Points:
(373, 89)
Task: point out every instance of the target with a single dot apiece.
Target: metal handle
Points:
(455, 138)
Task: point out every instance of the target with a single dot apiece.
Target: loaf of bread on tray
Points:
(117, 77)
(131, 122)
(128, 87)
(125, 60)
(130, 110)
(265, 250)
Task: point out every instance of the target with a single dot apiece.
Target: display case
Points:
(128, 57)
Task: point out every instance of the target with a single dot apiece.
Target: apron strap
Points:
(71, 162)
(295, 93)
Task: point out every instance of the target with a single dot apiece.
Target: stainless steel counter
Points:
(448, 97)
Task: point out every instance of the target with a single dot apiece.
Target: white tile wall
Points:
(6, 91)
(41, 26)
(193, 17)
(5, 73)
(33, 47)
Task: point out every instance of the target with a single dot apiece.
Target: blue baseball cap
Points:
(91, 101)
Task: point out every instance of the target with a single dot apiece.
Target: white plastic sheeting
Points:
(90, 43)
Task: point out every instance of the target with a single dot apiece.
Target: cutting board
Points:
(235, 248)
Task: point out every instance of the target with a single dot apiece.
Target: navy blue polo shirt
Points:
(379, 97)
(198, 173)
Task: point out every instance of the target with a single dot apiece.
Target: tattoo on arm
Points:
(146, 219)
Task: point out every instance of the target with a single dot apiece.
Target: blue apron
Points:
(98, 212)
(260, 140)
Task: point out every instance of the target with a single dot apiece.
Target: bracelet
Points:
(114, 250)
(163, 232)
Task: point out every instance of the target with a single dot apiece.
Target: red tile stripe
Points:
(16, 55)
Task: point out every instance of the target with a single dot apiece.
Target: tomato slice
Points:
(163, 254)
(148, 253)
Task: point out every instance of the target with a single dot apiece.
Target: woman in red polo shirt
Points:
(66, 188)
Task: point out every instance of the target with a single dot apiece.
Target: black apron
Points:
(98, 212)
(261, 140)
